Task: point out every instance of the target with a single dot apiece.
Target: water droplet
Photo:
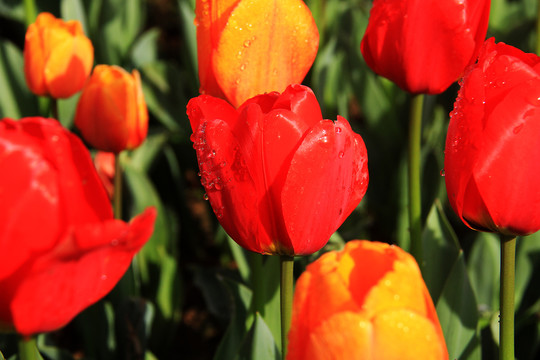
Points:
(205, 196)
(518, 128)
(218, 186)
(54, 138)
(341, 154)
(247, 43)
(103, 277)
(199, 174)
(242, 67)
(222, 164)
(442, 173)
(338, 130)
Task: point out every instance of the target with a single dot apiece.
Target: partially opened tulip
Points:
(246, 48)
(60, 248)
(58, 57)
(111, 113)
(492, 151)
(424, 45)
(366, 302)
(280, 179)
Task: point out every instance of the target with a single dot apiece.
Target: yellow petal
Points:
(265, 46)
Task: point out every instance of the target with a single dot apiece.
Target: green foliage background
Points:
(188, 292)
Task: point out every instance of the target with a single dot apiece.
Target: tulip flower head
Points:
(280, 179)
(368, 301)
(61, 250)
(424, 45)
(252, 47)
(111, 113)
(493, 143)
(58, 57)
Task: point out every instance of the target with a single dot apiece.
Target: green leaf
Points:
(441, 250)
(16, 100)
(239, 256)
(527, 261)
(259, 343)
(231, 342)
(457, 311)
(484, 268)
(145, 49)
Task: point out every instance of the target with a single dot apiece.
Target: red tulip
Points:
(60, 248)
(111, 113)
(280, 179)
(246, 48)
(58, 57)
(424, 45)
(366, 302)
(492, 152)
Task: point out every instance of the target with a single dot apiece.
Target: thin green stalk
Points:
(257, 283)
(508, 266)
(415, 200)
(30, 11)
(286, 293)
(28, 349)
(117, 196)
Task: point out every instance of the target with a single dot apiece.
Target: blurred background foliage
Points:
(188, 292)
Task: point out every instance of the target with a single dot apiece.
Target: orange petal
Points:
(346, 335)
(265, 46)
(404, 335)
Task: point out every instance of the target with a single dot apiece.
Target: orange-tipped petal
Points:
(265, 46)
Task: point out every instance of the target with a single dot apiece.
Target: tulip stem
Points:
(28, 349)
(415, 200)
(538, 28)
(286, 293)
(30, 11)
(506, 329)
(117, 196)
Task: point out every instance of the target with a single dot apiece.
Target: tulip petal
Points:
(326, 180)
(405, 335)
(345, 335)
(264, 47)
(65, 282)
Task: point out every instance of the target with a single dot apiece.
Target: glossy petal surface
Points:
(60, 248)
(275, 186)
(492, 147)
(368, 301)
(424, 46)
(58, 57)
(111, 113)
(247, 48)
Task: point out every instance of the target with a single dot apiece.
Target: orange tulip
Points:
(366, 302)
(58, 57)
(246, 48)
(111, 113)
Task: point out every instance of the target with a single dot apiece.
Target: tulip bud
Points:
(424, 45)
(368, 301)
(58, 57)
(246, 48)
(493, 143)
(111, 113)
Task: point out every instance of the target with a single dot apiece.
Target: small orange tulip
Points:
(58, 57)
(246, 48)
(111, 113)
(366, 302)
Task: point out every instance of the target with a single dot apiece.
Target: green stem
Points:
(286, 293)
(415, 200)
(117, 196)
(28, 349)
(30, 12)
(508, 266)
(257, 283)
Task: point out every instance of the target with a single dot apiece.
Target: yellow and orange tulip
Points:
(366, 302)
(58, 57)
(246, 48)
(111, 113)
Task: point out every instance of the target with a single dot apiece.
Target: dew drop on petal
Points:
(341, 154)
(205, 196)
(338, 130)
(442, 172)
